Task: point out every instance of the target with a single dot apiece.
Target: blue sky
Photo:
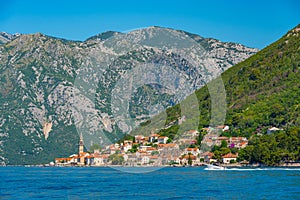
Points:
(253, 23)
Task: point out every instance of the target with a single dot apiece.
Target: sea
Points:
(148, 183)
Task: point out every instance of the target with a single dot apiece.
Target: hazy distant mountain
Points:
(48, 85)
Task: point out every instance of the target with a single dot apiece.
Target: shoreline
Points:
(238, 165)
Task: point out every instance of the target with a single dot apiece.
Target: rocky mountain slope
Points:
(53, 89)
(6, 37)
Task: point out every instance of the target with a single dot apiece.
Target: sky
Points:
(254, 23)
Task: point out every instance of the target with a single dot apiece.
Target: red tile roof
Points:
(151, 148)
(222, 138)
(237, 138)
(192, 149)
(153, 157)
(210, 154)
(161, 137)
(230, 155)
(191, 156)
(167, 145)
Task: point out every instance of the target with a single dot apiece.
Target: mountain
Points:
(261, 92)
(6, 37)
(52, 90)
(103, 36)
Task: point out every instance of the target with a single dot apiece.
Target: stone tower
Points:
(80, 153)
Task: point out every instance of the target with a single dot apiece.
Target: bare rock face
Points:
(102, 87)
(46, 129)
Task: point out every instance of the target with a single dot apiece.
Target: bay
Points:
(164, 183)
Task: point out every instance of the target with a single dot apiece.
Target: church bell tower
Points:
(80, 153)
(81, 144)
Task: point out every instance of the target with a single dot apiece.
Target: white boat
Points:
(214, 167)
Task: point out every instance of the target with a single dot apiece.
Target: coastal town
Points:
(157, 150)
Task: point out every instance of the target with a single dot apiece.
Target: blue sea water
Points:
(165, 183)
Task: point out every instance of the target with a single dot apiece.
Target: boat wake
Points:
(214, 167)
(211, 169)
(253, 169)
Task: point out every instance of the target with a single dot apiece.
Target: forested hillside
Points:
(261, 92)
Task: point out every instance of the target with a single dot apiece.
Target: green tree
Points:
(215, 148)
(116, 159)
(134, 148)
(224, 150)
(217, 155)
(234, 150)
(224, 143)
(200, 137)
(246, 154)
(169, 140)
(273, 149)
(94, 147)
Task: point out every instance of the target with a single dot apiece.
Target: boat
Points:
(214, 167)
